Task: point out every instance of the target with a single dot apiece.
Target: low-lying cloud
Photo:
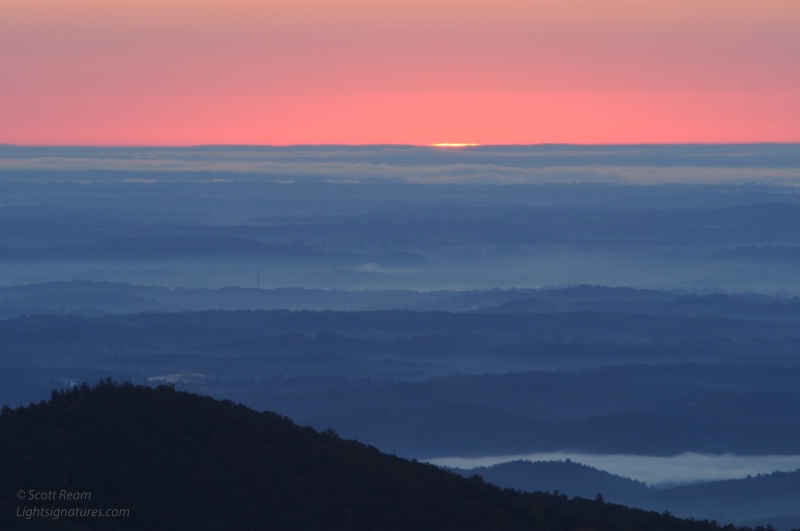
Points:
(688, 467)
(423, 165)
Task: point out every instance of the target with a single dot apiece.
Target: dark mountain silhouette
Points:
(175, 460)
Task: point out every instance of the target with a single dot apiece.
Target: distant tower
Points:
(258, 279)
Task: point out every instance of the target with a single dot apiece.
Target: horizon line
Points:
(457, 145)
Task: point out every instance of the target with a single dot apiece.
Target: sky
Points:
(282, 72)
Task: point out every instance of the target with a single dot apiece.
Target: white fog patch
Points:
(374, 267)
(342, 181)
(181, 377)
(688, 467)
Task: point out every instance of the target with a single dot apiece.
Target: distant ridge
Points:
(569, 477)
(772, 496)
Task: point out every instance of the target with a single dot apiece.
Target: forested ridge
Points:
(176, 460)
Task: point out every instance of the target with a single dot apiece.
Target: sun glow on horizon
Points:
(454, 145)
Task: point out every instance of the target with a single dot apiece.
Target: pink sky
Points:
(181, 72)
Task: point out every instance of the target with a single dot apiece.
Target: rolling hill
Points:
(163, 459)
